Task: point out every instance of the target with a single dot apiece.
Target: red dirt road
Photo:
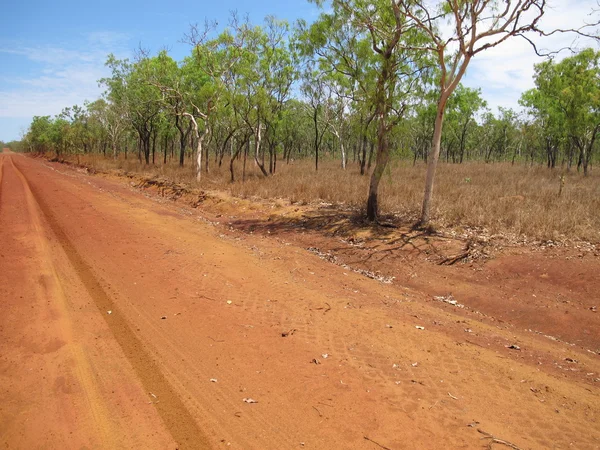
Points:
(127, 323)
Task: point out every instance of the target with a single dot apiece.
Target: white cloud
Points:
(65, 74)
(504, 72)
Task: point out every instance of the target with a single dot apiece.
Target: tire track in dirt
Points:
(358, 336)
(173, 412)
(188, 378)
(53, 289)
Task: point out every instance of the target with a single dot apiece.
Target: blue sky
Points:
(53, 53)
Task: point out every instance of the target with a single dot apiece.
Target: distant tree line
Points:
(364, 83)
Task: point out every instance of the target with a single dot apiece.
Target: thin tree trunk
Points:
(153, 147)
(246, 150)
(386, 76)
(166, 147)
(234, 156)
(363, 160)
(370, 155)
(432, 162)
(257, 144)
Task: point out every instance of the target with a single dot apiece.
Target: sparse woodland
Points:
(358, 107)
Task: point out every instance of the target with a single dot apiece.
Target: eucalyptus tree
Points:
(421, 125)
(328, 99)
(98, 136)
(339, 54)
(295, 129)
(76, 132)
(241, 64)
(39, 135)
(364, 41)
(58, 134)
(566, 101)
(261, 80)
(142, 101)
(338, 108)
(174, 83)
(316, 93)
(112, 118)
(463, 108)
(456, 32)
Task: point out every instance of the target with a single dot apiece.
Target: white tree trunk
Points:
(342, 148)
(199, 158)
(257, 144)
(432, 163)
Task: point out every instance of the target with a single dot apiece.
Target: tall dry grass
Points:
(499, 197)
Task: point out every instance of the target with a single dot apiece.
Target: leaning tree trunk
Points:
(260, 165)
(445, 93)
(383, 154)
(200, 139)
(381, 161)
(432, 161)
(342, 148)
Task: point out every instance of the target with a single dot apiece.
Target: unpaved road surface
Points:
(127, 322)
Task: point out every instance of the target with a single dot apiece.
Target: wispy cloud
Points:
(66, 74)
(506, 71)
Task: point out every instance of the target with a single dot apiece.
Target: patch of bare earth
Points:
(256, 324)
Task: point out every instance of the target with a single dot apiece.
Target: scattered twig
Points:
(288, 333)
(453, 259)
(325, 404)
(315, 408)
(219, 340)
(494, 440)
(323, 308)
(452, 396)
(433, 406)
(377, 443)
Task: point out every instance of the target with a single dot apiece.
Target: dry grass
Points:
(499, 197)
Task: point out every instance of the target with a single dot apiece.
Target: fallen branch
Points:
(377, 443)
(494, 440)
(453, 259)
